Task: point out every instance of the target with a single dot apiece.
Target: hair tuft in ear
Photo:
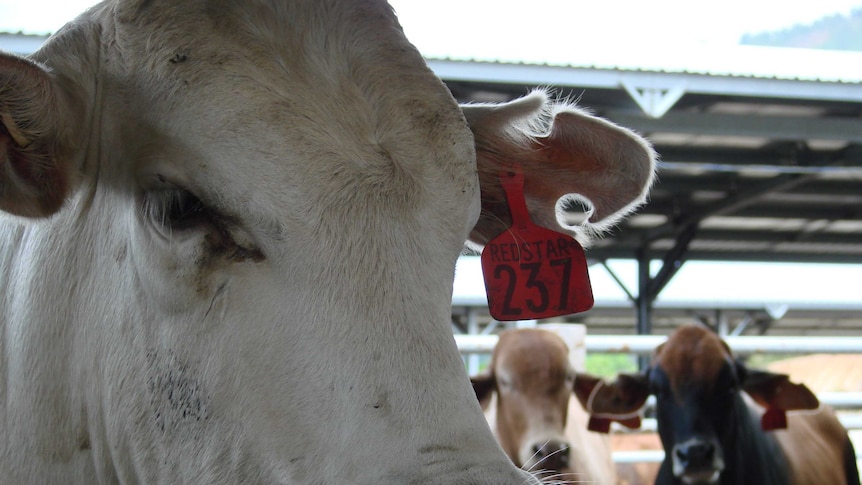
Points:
(35, 169)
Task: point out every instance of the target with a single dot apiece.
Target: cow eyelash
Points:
(177, 209)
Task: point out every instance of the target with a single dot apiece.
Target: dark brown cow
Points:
(713, 433)
(526, 395)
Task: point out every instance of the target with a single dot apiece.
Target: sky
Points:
(536, 23)
(579, 25)
(670, 35)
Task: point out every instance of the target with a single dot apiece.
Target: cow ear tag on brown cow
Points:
(603, 424)
(532, 272)
(773, 419)
(599, 425)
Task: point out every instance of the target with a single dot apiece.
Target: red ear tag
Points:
(773, 419)
(599, 425)
(631, 423)
(532, 272)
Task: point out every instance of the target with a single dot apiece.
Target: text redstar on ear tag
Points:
(532, 272)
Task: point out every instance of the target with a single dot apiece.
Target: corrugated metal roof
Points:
(707, 60)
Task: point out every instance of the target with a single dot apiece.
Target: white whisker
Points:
(534, 455)
(560, 450)
(562, 479)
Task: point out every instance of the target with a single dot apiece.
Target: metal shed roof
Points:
(701, 59)
(753, 168)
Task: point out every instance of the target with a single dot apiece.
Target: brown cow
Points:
(713, 433)
(525, 394)
(823, 372)
(638, 473)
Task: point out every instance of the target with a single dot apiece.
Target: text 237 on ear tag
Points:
(532, 272)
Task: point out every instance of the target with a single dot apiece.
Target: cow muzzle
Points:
(698, 461)
(550, 455)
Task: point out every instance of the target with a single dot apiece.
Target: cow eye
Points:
(177, 209)
(504, 382)
(184, 210)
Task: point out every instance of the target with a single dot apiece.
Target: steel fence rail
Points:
(639, 456)
(649, 425)
(838, 400)
(645, 344)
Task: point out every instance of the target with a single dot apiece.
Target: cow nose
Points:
(695, 455)
(551, 455)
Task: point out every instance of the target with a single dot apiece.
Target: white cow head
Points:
(233, 235)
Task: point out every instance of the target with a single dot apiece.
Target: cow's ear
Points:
(776, 394)
(483, 386)
(775, 391)
(564, 152)
(626, 395)
(35, 172)
(619, 401)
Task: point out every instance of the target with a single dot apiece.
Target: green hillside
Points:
(835, 32)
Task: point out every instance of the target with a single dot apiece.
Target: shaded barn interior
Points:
(753, 168)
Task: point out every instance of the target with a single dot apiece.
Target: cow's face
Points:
(533, 380)
(696, 386)
(703, 419)
(289, 198)
(258, 208)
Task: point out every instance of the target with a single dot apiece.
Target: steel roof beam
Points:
(672, 261)
(737, 256)
(575, 77)
(677, 183)
(785, 210)
(730, 204)
(655, 99)
(709, 236)
(781, 157)
(756, 126)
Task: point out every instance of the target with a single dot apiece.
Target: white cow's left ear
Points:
(563, 152)
(35, 165)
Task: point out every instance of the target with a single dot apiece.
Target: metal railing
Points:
(645, 344)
